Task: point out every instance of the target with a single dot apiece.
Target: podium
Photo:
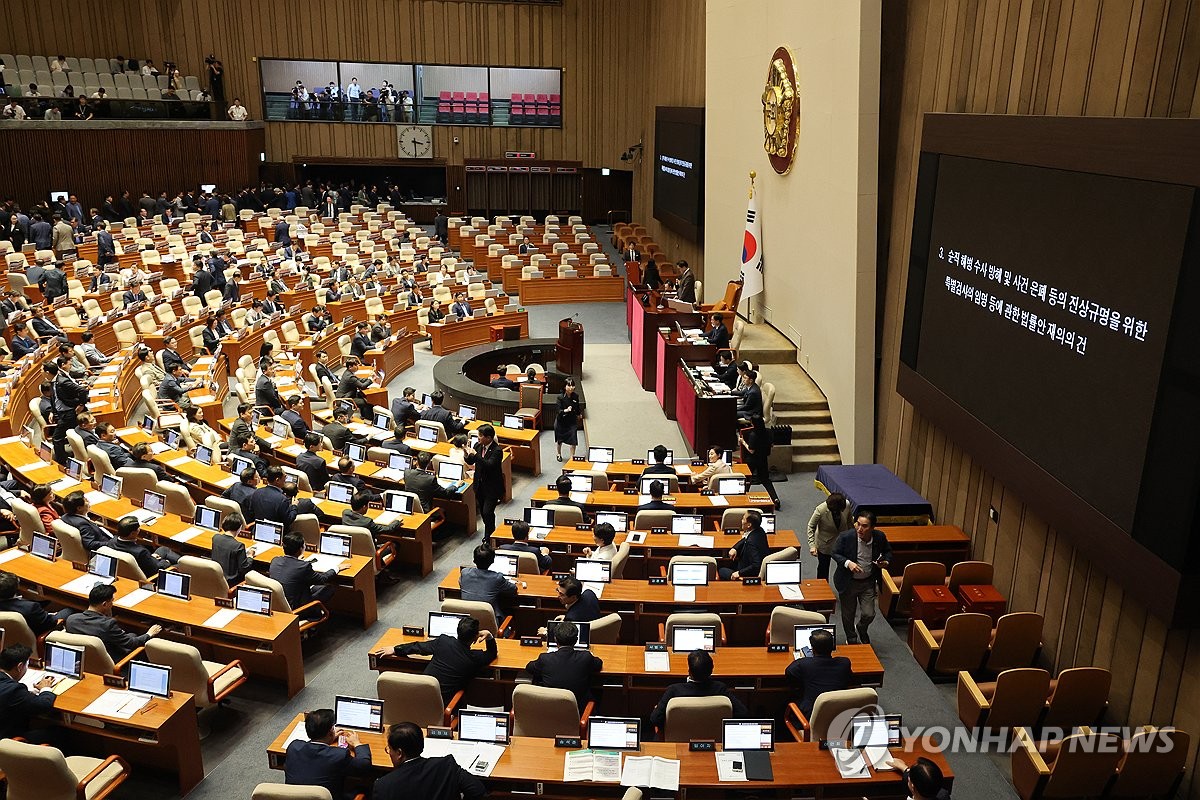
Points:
(569, 352)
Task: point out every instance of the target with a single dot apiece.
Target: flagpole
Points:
(753, 175)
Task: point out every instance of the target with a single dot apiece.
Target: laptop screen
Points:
(281, 429)
(252, 599)
(237, 464)
(688, 573)
(748, 734)
(173, 584)
(540, 517)
(687, 523)
(600, 455)
(64, 659)
(618, 519)
(804, 635)
(768, 523)
(148, 423)
(581, 483)
(75, 468)
(468, 413)
(147, 678)
(427, 399)
(335, 544)
(731, 486)
(360, 713)
(783, 573)
(356, 452)
(43, 545)
(483, 726)
(443, 624)
(686, 638)
(171, 437)
(450, 471)
(582, 643)
(614, 733)
(268, 532)
(505, 565)
(103, 565)
(399, 461)
(645, 481)
(383, 421)
(592, 570)
(111, 485)
(204, 454)
(514, 422)
(427, 433)
(650, 459)
(208, 518)
(339, 492)
(875, 730)
(397, 503)
(154, 502)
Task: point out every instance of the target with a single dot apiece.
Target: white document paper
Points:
(580, 497)
(389, 474)
(597, 588)
(486, 756)
(298, 734)
(292, 449)
(849, 762)
(96, 496)
(790, 591)
(696, 540)
(658, 661)
(27, 468)
(222, 618)
(133, 598)
(97, 404)
(877, 757)
(322, 562)
(387, 518)
(83, 584)
(683, 470)
(158, 448)
(225, 483)
(652, 771)
(202, 398)
(178, 462)
(117, 703)
(187, 535)
(127, 431)
(730, 766)
(718, 500)
(592, 765)
(10, 554)
(64, 483)
(685, 594)
(60, 685)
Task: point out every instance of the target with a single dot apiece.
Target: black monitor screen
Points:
(679, 169)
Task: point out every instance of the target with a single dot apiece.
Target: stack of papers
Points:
(477, 758)
(117, 703)
(685, 594)
(850, 763)
(322, 562)
(61, 682)
(790, 591)
(658, 661)
(96, 496)
(695, 540)
(652, 771)
(133, 598)
(592, 765)
(597, 588)
(222, 618)
(83, 584)
(718, 500)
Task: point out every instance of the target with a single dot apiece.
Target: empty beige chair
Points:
(1153, 763)
(1016, 642)
(1078, 766)
(606, 629)
(179, 502)
(208, 579)
(527, 563)
(414, 698)
(480, 611)
(781, 629)
(685, 558)
(71, 543)
(309, 527)
(544, 713)
(1015, 699)
(786, 554)
(311, 614)
(969, 573)
(896, 593)
(566, 515)
(691, 618)
(832, 709)
(696, 718)
(96, 659)
(145, 322)
(282, 791)
(29, 521)
(962, 645)
(125, 332)
(208, 682)
(136, 480)
(617, 571)
(17, 631)
(44, 773)
(645, 520)
(1078, 696)
(127, 566)
(67, 317)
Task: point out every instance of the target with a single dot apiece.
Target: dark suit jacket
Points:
(117, 641)
(655, 505)
(212, 340)
(440, 414)
(266, 394)
(241, 494)
(298, 577)
(719, 335)
(338, 435)
(846, 548)
(35, 615)
(118, 455)
(686, 287)
(315, 468)
(318, 764)
(485, 586)
(454, 664)
(439, 778)
(751, 402)
(350, 385)
(299, 426)
(94, 537)
(403, 411)
(709, 688)
(751, 550)
(566, 668)
(489, 477)
(269, 502)
(352, 517)
(586, 608)
(426, 487)
(170, 357)
(525, 547)
(231, 555)
(18, 706)
(202, 281)
(145, 559)
(812, 676)
(360, 345)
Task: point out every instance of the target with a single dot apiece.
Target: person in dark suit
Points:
(170, 354)
(320, 761)
(441, 227)
(582, 604)
(282, 236)
(271, 501)
(337, 432)
(318, 320)
(351, 387)
(487, 458)
(202, 279)
(241, 426)
(243, 491)
(656, 502)
(18, 704)
(233, 556)
(312, 464)
(821, 672)
(685, 284)
(412, 775)
(437, 413)
(323, 370)
(566, 668)
(174, 386)
(454, 663)
(301, 583)
(75, 510)
(726, 370)
(44, 328)
(480, 584)
(21, 342)
(520, 544)
(106, 440)
(502, 381)
(346, 473)
(718, 334)
(424, 484)
(266, 394)
(134, 293)
(525, 247)
(699, 684)
(211, 336)
(361, 342)
(106, 249)
(749, 395)
(356, 515)
(750, 550)
(291, 414)
(243, 446)
(126, 541)
(35, 614)
(97, 621)
(563, 486)
(660, 465)
(861, 555)
(404, 407)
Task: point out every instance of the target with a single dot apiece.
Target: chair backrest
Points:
(970, 573)
(410, 698)
(786, 554)
(279, 601)
(696, 718)
(187, 668)
(599, 478)
(964, 643)
(29, 520)
(645, 520)
(838, 707)
(179, 502)
(17, 630)
(781, 629)
(96, 659)
(691, 618)
(1019, 698)
(34, 771)
(918, 573)
(566, 515)
(544, 712)
(617, 570)
(127, 566)
(1153, 763)
(606, 629)
(531, 395)
(208, 579)
(479, 610)
(309, 527)
(136, 480)
(1016, 641)
(282, 791)
(527, 564)
(72, 543)
(224, 505)
(1084, 765)
(1079, 697)
(100, 461)
(685, 558)
(145, 322)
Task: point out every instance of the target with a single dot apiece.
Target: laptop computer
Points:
(268, 532)
(281, 429)
(103, 567)
(204, 454)
(513, 422)
(252, 599)
(427, 433)
(689, 573)
(238, 464)
(593, 570)
(63, 664)
(618, 519)
(397, 503)
(670, 457)
(687, 523)
(780, 573)
(645, 481)
(803, 635)
(172, 438)
(207, 518)
(686, 638)
(467, 413)
(600, 455)
(728, 486)
(442, 623)
(614, 733)
(874, 734)
(151, 679)
(356, 452)
(154, 505)
(483, 726)
(382, 421)
(169, 583)
(339, 492)
(44, 545)
(506, 565)
(748, 734)
(450, 473)
(540, 517)
(111, 485)
(584, 641)
(358, 713)
(581, 483)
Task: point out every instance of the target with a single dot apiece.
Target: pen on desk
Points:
(147, 707)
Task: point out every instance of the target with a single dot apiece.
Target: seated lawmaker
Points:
(602, 537)
(698, 684)
(821, 672)
(356, 515)
(75, 513)
(520, 544)
(480, 584)
(582, 604)
(126, 541)
(566, 667)
(718, 334)
(660, 465)
(413, 775)
(320, 761)
(454, 661)
(97, 621)
(34, 613)
(301, 583)
(19, 705)
(749, 551)
(656, 502)
(563, 486)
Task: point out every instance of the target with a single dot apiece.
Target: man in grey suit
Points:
(97, 621)
(685, 284)
(265, 392)
(301, 583)
(233, 556)
(480, 584)
(424, 484)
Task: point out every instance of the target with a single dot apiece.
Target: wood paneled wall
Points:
(1059, 57)
(94, 162)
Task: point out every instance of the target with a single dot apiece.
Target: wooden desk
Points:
(625, 688)
(671, 350)
(393, 359)
(163, 736)
(684, 502)
(524, 445)
(933, 605)
(644, 321)
(628, 471)
(544, 291)
(946, 544)
(983, 600)
(706, 420)
(529, 764)
(745, 610)
(448, 337)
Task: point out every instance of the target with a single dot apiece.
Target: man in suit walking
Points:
(487, 458)
(97, 621)
(566, 668)
(861, 555)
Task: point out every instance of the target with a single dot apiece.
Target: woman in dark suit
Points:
(650, 277)
(566, 420)
(756, 450)
(212, 340)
